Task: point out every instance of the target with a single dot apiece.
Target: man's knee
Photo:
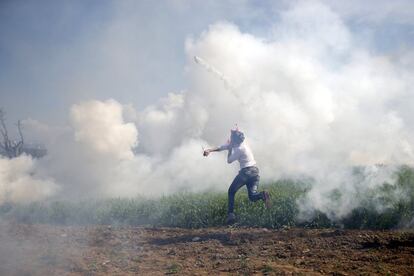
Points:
(253, 187)
(252, 191)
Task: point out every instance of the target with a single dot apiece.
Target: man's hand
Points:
(206, 152)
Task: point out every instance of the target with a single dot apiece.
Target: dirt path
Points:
(106, 250)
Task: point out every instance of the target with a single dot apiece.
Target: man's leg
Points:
(252, 186)
(237, 183)
(252, 182)
(255, 196)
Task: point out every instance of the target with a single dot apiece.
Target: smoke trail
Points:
(213, 70)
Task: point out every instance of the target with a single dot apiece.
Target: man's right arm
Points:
(221, 148)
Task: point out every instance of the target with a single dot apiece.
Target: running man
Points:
(248, 174)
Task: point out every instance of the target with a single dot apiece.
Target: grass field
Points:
(198, 210)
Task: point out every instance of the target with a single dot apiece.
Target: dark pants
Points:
(247, 176)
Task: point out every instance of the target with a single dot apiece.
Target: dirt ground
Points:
(109, 250)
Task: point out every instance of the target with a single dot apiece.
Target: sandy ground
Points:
(109, 250)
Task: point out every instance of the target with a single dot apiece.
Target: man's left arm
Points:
(232, 155)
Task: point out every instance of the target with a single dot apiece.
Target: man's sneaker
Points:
(266, 198)
(231, 218)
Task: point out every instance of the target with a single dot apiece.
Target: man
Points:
(248, 174)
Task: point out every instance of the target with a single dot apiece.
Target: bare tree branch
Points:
(19, 127)
(3, 128)
(10, 148)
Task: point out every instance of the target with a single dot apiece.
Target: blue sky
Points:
(57, 53)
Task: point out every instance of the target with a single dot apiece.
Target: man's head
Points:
(236, 137)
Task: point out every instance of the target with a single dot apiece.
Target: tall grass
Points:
(197, 210)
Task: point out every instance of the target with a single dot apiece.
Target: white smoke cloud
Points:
(310, 101)
(95, 156)
(20, 181)
(99, 128)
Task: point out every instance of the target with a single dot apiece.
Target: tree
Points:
(10, 148)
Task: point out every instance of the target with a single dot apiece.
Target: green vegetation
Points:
(190, 210)
(173, 269)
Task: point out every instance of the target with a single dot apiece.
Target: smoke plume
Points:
(311, 100)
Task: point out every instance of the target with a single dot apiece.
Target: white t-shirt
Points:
(241, 153)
